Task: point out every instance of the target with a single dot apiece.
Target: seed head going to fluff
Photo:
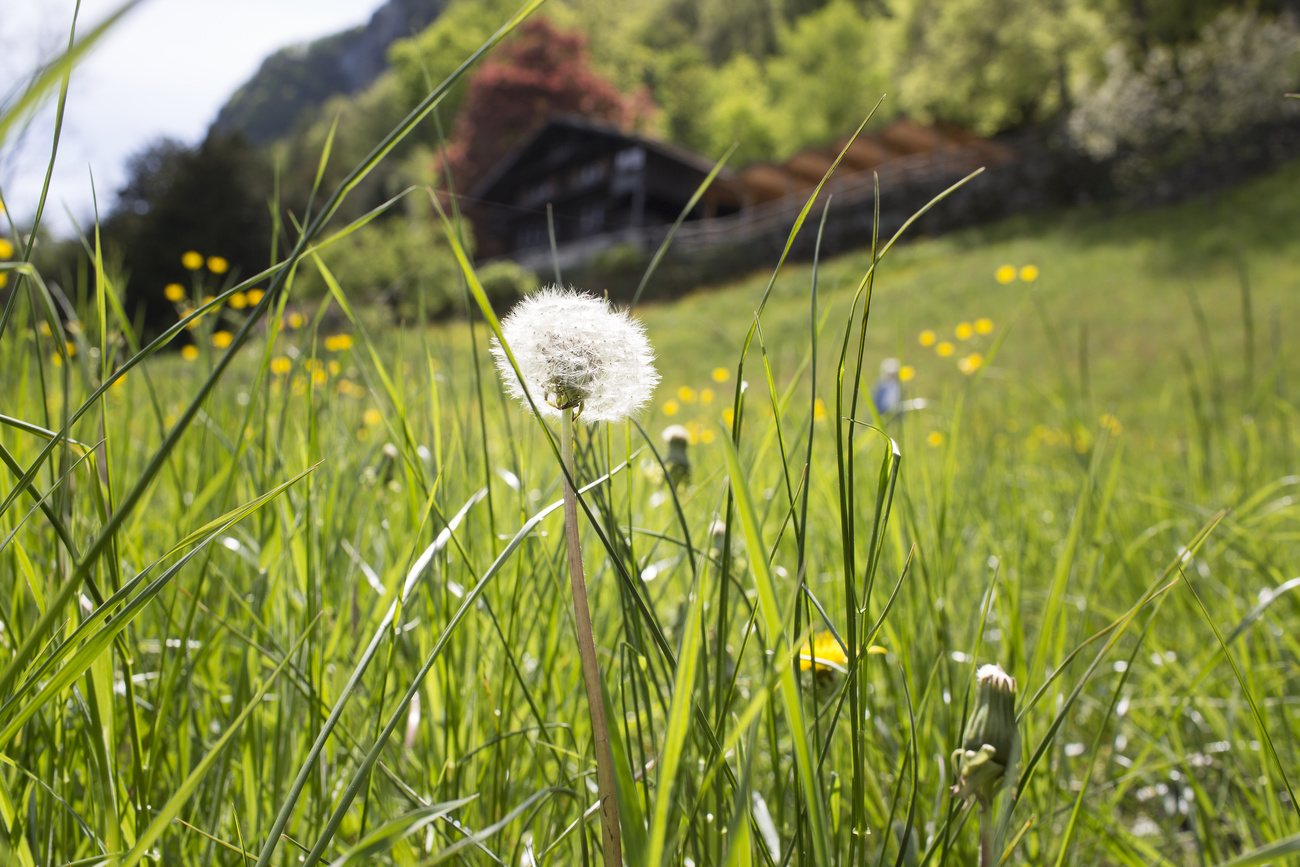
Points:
(574, 351)
(991, 743)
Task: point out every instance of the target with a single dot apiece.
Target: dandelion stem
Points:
(610, 836)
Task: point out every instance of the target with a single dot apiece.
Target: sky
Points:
(165, 70)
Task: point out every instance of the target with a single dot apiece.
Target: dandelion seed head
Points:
(993, 673)
(572, 349)
(676, 432)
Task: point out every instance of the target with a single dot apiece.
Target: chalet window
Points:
(538, 193)
(531, 235)
(630, 160)
(591, 173)
(591, 218)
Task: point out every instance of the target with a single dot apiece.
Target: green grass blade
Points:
(678, 723)
(772, 619)
(172, 808)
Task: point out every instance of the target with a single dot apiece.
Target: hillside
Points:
(299, 79)
(1109, 319)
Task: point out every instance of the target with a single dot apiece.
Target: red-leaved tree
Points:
(540, 71)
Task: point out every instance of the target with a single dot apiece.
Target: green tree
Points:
(827, 76)
(731, 27)
(426, 59)
(741, 112)
(993, 64)
(1182, 97)
(398, 263)
(211, 199)
(1143, 25)
(357, 123)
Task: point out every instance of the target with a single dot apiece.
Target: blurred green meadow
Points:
(296, 593)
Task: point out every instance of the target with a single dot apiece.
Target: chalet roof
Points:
(484, 189)
(765, 181)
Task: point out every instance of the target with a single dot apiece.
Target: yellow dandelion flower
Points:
(686, 394)
(189, 352)
(319, 375)
(945, 349)
(728, 416)
(906, 373)
(372, 416)
(191, 260)
(826, 655)
(45, 329)
(1005, 274)
(963, 330)
(72, 349)
(254, 296)
(333, 368)
(1029, 273)
(174, 292)
(281, 365)
(706, 396)
(971, 363)
(338, 342)
(934, 439)
(238, 301)
(927, 337)
(819, 410)
(671, 407)
(6, 248)
(983, 326)
(1109, 421)
(207, 299)
(56, 360)
(707, 435)
(721, 374)
(218, 265)
(221, 339)
(119, 382)
(4, 280)
(295, 320)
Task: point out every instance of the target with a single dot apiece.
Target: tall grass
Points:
(262, 609)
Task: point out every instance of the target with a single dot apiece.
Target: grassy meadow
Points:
(297, 594)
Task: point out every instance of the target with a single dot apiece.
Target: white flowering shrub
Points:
(1234, 76)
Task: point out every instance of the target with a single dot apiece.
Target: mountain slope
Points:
(301, 78)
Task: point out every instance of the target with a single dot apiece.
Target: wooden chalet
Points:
(598, 180)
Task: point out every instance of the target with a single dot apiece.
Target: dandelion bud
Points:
(574, 352)
(991, 740)
(677, 462)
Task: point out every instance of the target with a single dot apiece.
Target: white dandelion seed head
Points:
(676, 432)
(993, 673)
(572, 348)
